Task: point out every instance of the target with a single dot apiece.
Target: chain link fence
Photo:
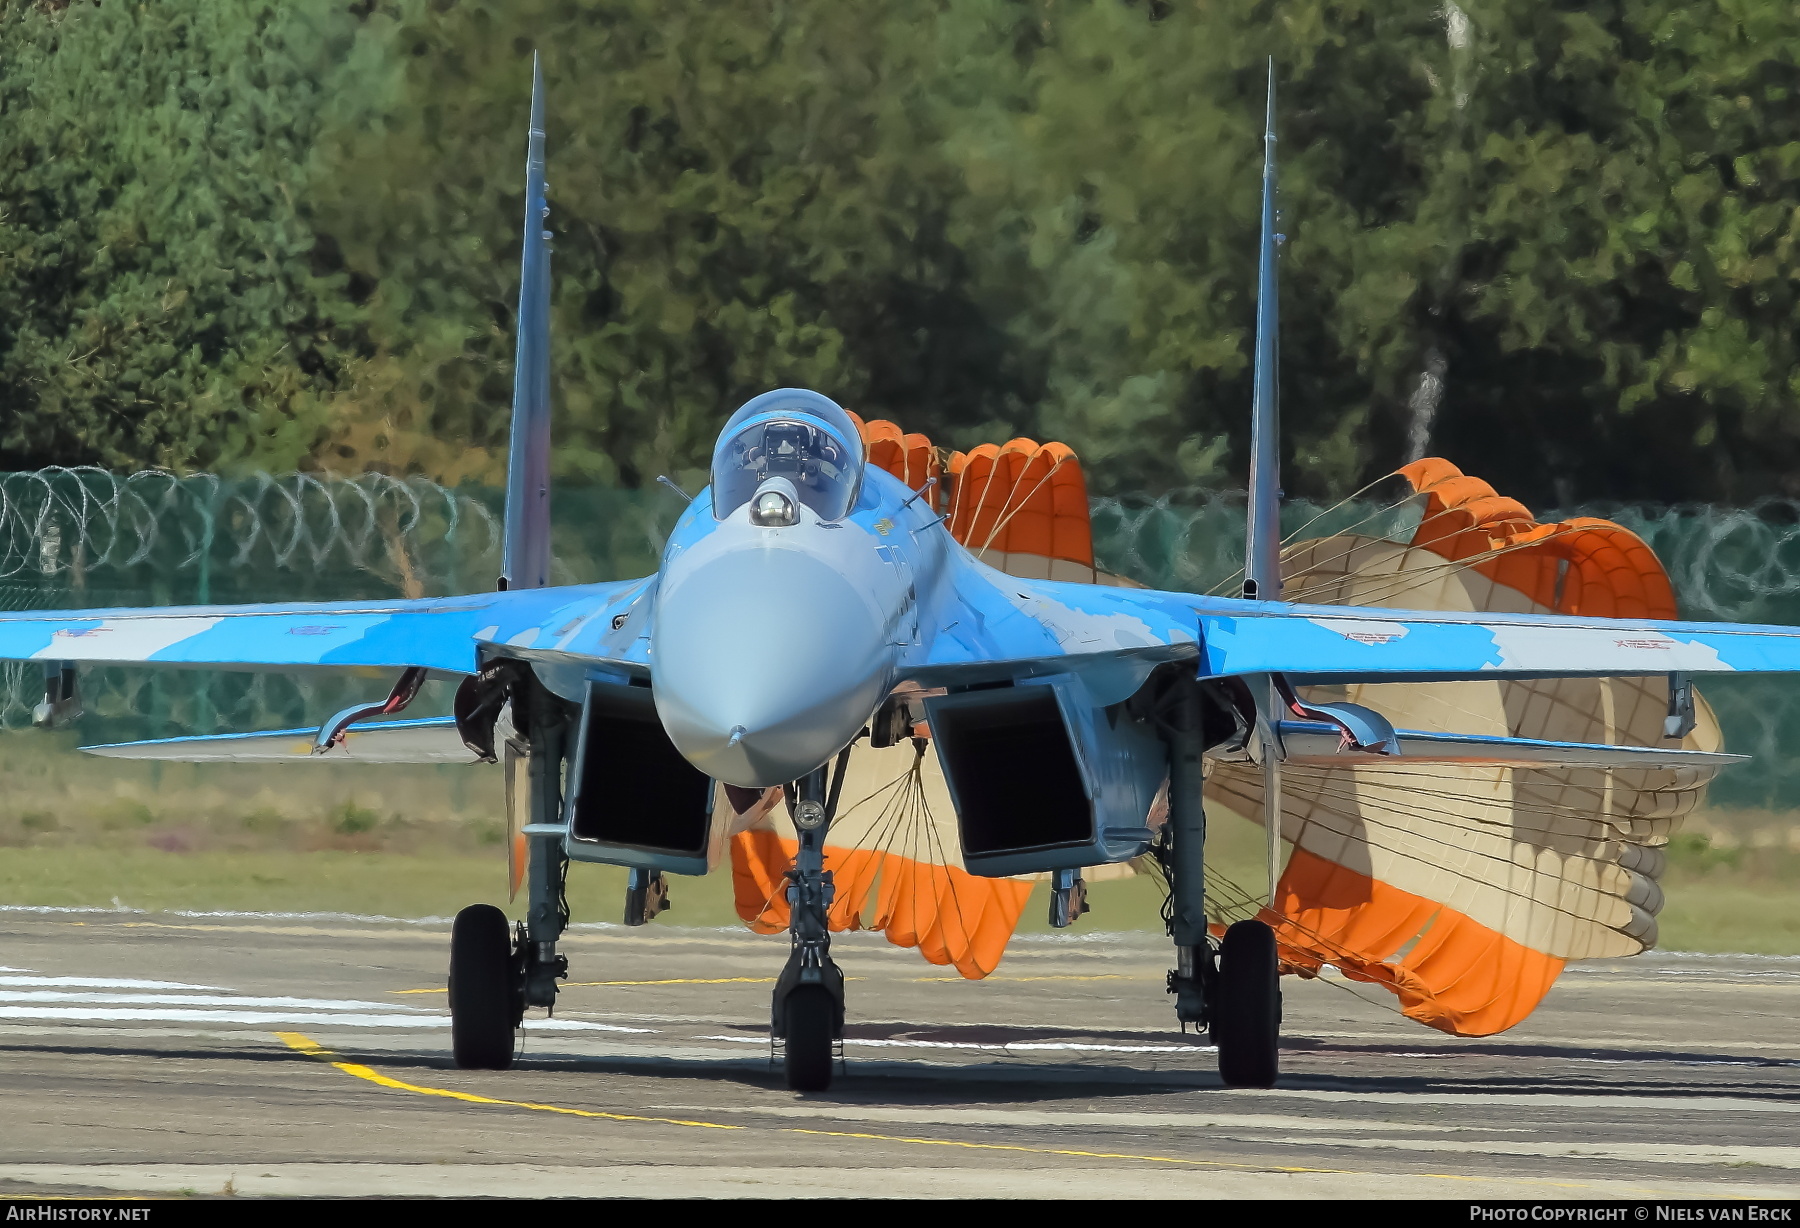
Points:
(79, 538)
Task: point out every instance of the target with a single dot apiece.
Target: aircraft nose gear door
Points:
(807, 1015)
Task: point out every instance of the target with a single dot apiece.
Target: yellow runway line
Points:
(312, 1048)
(305, 1044)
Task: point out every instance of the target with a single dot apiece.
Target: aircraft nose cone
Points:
(766, 662)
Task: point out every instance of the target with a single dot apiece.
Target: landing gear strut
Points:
(807, 1014)
(1068, 897)
(1234, 991)
(646, 896)
(494, 975)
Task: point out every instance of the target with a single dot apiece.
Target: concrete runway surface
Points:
(167, 1053)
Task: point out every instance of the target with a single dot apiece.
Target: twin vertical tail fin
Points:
(526, 553)
(1262, 553)
(1262, 559)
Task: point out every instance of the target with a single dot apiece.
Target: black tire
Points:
(483, 999)
(810, 1014)
(1246, 1013)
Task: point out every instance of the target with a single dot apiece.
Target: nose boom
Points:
(766, 663)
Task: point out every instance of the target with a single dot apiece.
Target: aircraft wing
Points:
(1356, 644)
(437, 633)
(998, 625)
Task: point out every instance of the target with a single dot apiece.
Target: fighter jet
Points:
(809, 604)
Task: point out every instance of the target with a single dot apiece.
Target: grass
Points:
(415, 884)
(1720, 913)
(76, 831)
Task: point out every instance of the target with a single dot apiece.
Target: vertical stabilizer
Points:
(1262, 560)
(526, 557)
(1262, 554)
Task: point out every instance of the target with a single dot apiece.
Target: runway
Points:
(247, 1054)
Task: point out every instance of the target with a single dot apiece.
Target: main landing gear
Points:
(1235, 989)
(807, 1014)
(494, 974)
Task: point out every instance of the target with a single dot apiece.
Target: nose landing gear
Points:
(807, 1013)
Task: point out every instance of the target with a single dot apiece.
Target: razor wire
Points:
(84, 538)
(67, 535)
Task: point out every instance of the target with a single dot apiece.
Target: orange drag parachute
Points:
(1465, 890)
(1462, 889)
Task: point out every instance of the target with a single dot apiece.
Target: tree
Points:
(163, 297)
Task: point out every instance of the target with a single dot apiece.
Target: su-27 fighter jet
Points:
(811, 607)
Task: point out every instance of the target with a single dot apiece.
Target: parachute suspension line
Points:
(1225, 585)
(1509, 809)
(892, 814)
(525, 560)
(1006, 516)
(974, 504)
(1234, 580)
(1289, 538)
(1403, 582)
(1242, 907)
(1449, 843)
(1338, 558)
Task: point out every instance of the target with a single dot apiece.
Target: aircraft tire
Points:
(1247, 1012)
(482, 1014)
(809, 1012)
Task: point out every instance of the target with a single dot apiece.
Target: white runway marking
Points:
(94, 982)
(280, 1018)
(189, 999)
(1555, 1100)
(27, 995)
(997, 1046)
(966, 1116)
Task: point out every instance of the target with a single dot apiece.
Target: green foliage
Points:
(1551, 241)
(744, 196)
(349, 819)
(162, 298)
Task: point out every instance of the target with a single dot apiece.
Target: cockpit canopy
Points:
(792, 434)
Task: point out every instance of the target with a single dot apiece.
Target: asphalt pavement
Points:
(259, 1054)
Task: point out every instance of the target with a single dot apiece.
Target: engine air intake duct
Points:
(1040, 778)
(633, 800)
(984, 737)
